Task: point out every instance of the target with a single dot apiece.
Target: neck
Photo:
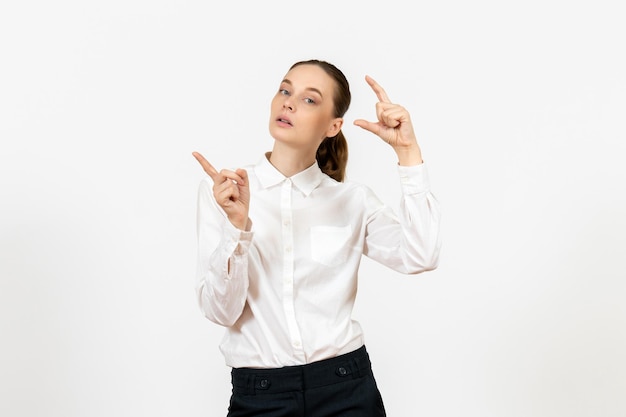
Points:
(290, 161)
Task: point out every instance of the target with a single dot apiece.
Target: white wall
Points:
(520, 112)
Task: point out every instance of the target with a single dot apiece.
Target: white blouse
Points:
(287, 296)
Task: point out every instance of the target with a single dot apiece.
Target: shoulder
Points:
(353, 188)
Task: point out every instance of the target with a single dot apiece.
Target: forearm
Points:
(410, 242)
(223, 285)
(409, 156)
(222, 269)
(223, 279)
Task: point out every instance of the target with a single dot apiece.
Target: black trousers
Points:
(343, 386)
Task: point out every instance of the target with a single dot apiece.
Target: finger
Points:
(243, 174)
(226, 195)
(208, 168)
(394, 116)
(233, 176)
(383, 110)
(380, 92)
(369, 126)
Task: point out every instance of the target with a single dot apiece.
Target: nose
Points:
(287, 104)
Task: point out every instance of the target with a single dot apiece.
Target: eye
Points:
(283, 91)
(309, 100)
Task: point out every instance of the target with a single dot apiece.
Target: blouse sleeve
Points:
(409, 242)
(222, 269)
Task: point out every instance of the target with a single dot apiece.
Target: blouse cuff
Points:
(414, 179)
(237, 237)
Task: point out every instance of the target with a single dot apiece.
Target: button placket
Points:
(288, 268)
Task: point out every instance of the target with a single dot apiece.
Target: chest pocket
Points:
(329, 244)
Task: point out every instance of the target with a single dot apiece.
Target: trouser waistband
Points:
(249, 381)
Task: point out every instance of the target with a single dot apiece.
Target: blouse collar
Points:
(305, 181)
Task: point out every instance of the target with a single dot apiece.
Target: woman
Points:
(280, 244)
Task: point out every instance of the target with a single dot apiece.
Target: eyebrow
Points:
(315, 90)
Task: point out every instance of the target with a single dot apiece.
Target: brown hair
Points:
(332, 154)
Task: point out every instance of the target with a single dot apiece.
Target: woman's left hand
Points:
(393, 126)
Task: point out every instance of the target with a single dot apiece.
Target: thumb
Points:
(369, 126)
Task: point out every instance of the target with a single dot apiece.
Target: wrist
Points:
(408, 156)
(241, 223)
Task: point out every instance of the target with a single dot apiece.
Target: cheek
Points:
(317, 123)
(318, 118)
(273, 103)
(324, 123)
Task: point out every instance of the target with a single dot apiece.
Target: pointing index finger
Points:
(380, 92)
(208, 168)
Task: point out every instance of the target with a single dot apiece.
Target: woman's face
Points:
(302, 111)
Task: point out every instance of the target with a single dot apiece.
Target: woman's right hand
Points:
(231, 191)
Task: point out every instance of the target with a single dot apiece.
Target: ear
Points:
(334, 127)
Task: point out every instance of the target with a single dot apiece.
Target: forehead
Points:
(310, 76)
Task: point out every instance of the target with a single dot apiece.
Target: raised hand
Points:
(231, 191)
(394, 126)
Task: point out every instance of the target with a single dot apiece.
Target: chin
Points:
(279, 133)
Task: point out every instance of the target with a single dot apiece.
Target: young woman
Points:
(280, 244)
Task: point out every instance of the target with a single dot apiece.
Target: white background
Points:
(519, 108)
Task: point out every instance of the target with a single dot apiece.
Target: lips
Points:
(284, 120)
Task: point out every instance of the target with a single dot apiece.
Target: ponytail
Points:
(332, 156)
